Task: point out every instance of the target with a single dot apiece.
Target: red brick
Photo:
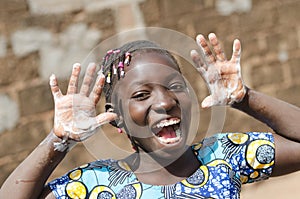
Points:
(291, 95)
(14, 70)
(103, 19)
(289, 13)
(295, 68)
(257, 19)
(151, 11)
(171, 8)
(282, 39)
(23, 137)
(35, 99)
(266, 74)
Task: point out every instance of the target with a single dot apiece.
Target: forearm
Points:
(31, 175)
(282, 117)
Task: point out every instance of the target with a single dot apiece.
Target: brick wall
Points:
(38, 38)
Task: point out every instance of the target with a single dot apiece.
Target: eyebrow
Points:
(173, 75)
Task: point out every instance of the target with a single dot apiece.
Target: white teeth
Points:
(169, 140)
(167, 123)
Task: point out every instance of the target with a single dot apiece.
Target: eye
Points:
(141, 95)
(177, 87)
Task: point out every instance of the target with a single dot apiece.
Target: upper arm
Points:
(287, 156)
(47, 194)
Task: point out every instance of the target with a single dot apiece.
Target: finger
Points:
(93, 123)
(104, 118)
(236, 51)
(96, 92)
(207, 102)
(73, 83)
(198, 61)
(208, 55)
(54, 87)
(88, 79)
(220, 55)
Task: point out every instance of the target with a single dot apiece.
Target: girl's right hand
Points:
(75, 113)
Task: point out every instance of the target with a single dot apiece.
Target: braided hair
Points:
(115, 60)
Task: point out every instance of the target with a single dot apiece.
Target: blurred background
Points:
(38, 38)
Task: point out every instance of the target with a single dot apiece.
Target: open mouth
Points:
(167, 131)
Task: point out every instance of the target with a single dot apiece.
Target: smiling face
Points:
(154, 102)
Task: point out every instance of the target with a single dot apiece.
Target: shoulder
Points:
(251, 154)
(84, 179)
(227, 145)
(81, 173)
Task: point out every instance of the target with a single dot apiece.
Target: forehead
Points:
(151, 58)
(149, 68)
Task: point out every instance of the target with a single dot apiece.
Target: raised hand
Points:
(222, 76)
(75, 114)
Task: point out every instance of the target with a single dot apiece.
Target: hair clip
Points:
(115, 69)
(127, 58)
(116, 51)
(108, 80)
(110, 52)
(121, 66)
(120, 130)
(122, 73)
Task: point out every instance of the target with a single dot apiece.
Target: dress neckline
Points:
(122, 164)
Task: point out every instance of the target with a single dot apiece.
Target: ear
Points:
(118, 123)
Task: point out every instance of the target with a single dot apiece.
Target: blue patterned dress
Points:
(228, 160)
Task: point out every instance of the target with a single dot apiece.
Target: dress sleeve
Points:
(256, 159)
(58, 186)
(98, 179)
(250, 155)
(79, 182)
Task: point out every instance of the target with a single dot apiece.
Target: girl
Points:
(147, 96)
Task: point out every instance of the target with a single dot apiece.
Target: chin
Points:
(171, 150)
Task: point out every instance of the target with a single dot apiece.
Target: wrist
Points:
(60, 144)
(244, 102)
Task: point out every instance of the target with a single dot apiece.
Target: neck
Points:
(159, 171)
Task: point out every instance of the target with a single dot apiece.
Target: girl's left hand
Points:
(222, 76)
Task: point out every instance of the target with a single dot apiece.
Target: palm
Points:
(223, 77)
(75, 114)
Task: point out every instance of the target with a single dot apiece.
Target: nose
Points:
(164, 101)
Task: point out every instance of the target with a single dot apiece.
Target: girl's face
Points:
(155, 105)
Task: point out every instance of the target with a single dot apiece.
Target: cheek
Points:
(186, 105)
(137, 113)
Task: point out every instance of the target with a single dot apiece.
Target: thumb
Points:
(104, 118)
(92, 124)
(207, 102)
